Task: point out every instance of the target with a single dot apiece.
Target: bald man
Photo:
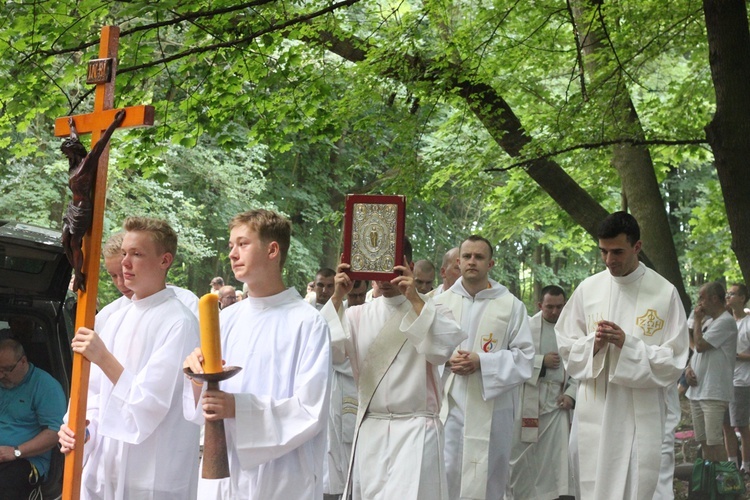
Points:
(449, 272)
(424, 276)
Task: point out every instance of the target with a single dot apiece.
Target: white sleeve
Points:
(575, 344)
(433, 333)
(140, 401)
(268, 428)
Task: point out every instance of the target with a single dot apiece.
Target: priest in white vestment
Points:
(483, 376)
(395, 344)
(540, 464)
(449, 272)
(275, 410)
(342, 415)
(623, 336)
(137, 444)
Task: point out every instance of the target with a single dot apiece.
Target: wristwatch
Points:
(16, 452)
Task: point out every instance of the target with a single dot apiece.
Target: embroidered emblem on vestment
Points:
(488, 343)
(650, 322)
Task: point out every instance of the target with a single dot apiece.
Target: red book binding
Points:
(374, 235)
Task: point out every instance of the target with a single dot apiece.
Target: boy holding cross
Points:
(137, 443)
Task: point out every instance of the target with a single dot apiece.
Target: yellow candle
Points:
(208, 311)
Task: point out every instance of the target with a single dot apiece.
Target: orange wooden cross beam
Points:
(102, 72)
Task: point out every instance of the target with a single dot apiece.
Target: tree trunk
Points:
(506, 128)
(633, 163)
(728, 132)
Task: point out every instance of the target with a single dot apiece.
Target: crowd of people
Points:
(394, 389)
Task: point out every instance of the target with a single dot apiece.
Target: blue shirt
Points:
(36, 404)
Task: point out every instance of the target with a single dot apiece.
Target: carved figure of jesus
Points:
(79, 214)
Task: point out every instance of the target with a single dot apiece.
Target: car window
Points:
(22, 264)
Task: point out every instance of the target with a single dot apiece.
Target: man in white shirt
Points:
(112, 254)
(449, 272)
(711, 370)
(323, 286)
(140, 446)
(275, 410)
(358, 295)
(739, 408)
(424, 276)
(342, 413)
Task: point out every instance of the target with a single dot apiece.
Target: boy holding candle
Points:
(275, 409)
(137, 443)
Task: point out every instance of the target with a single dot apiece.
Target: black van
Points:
(37, 309)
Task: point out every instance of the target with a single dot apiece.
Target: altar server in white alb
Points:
(395, 344)
(540, 465)
(485, 372)
(275, 410)
(112, 254)
(140, 445)
(624, 337)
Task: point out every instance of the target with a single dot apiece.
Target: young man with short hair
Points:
(358, 294)
(137, 443)
(483, 375)
(623, 336)
(424, 276)
(539, 460)
(275, 409)
(112, 254)
(323, 287)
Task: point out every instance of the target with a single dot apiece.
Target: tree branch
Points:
(185, 17)
(244, 40)
(601, 144)
(230, 43)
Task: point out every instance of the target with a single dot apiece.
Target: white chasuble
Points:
(620, 409)
(141, 447)
(394, 354)
(481, 406)
(341, 423)
(277, 440)
(540, 465)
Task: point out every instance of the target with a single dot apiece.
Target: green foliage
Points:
(253, 111)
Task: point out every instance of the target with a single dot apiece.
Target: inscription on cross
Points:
(101, 71)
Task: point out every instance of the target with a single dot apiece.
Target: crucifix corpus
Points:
(85, 216)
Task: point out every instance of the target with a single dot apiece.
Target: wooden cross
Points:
(101, 71)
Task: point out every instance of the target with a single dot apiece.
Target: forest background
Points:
(523, 121)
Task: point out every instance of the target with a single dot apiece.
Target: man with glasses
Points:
(32, 405)
(227, 296)
(358, 295)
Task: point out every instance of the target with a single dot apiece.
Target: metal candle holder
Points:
(215, 459)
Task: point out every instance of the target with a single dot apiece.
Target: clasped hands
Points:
(464, 362)
(608, 333)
